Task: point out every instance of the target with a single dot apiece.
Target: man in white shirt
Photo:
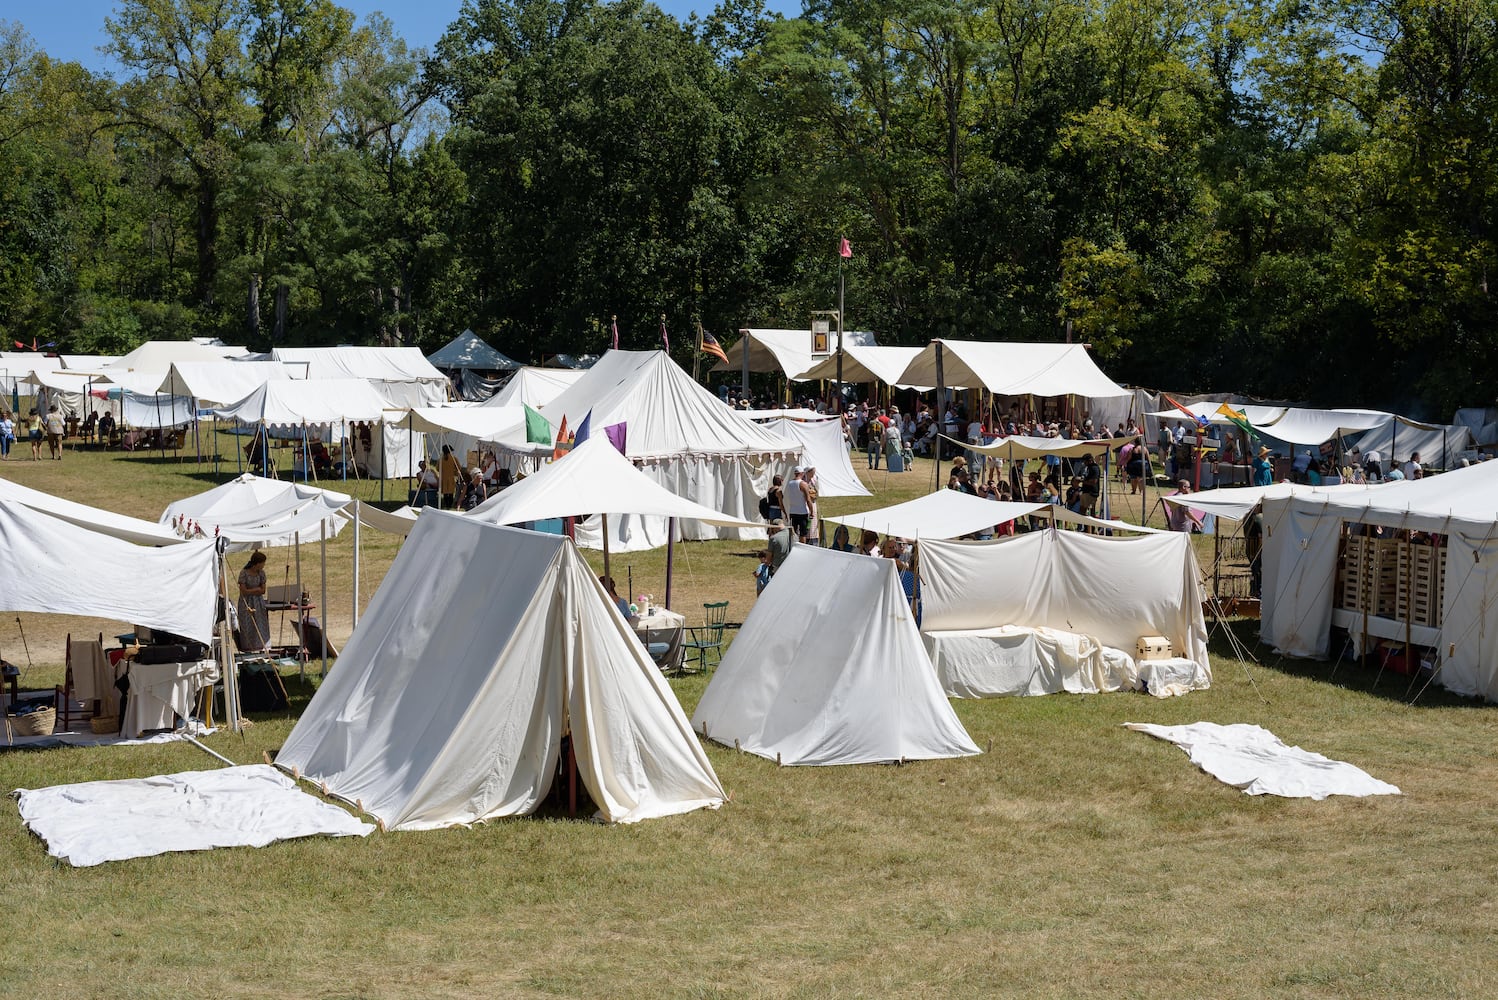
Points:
(795, 504)
(1412, 469)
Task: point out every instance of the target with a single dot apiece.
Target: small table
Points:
(661, 625)
(159, 692)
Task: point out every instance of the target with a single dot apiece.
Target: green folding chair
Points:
(708, 637)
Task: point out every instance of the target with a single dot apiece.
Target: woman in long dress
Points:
(254, 618)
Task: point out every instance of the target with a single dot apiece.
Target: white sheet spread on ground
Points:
(97, 821)
(1255, 760)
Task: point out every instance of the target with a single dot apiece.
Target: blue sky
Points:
(73, 30)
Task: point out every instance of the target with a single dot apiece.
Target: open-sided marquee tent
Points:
(785, 352)
(483, 647)
(1013, 369)
(795, 690)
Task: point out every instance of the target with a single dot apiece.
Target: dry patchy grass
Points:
(1074, 859)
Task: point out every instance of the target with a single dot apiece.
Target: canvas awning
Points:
(69, 569)
(121, 526)
(375, 364)
(481, 423)
(1019, 447)
(866, 363)
(823, 448)
(787, 352)
(1010, 369)
(1235, 502)
(943, 514)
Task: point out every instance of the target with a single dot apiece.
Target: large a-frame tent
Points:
(829, 669)
(483, 647)
(678, 434)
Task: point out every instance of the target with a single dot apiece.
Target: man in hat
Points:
(1263, 469)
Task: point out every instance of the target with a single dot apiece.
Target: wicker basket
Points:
(38, 723)
(104, 724)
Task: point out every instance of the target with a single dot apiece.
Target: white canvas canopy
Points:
(867, 364)
(679, 434)
(1236, 502)
(1301, 540)
(121, 526)
(471, 423)
(594, 478)
(220, 383)
(943, 514)
(1020, 447)
(1009, 369)
(1396, 440)
(155, 410)
(483, 647)
(159, 355)
(372, 364)
(823, 448)
(793, 689)
(296, 402)
(535, 387)
(787, 352)
(72, 570)
(252, 511)
(86, 362)
(1112, 591)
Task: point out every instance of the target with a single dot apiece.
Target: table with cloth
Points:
(666, 627)
(159, 692)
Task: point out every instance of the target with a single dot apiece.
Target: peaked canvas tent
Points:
(535, 387)
(593, 478)
(468, 350)
(1010, 369)
(680, 435)
(792, 689)
(483, 647)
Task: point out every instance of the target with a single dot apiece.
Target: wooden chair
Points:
(708, 637)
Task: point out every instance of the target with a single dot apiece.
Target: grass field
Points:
(1074, 859)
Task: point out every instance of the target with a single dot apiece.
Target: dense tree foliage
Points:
(1287, 197)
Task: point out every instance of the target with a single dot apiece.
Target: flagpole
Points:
(697, 354)
(837, 386)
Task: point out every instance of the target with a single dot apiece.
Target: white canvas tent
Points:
(1108, 591)
(72, 570)
(823, 448)
(680, 435)
(483, 647)
(594, 478)
(1301, 540)
(219, 383)
(795, 690)
(251, 512)
(535, 387)
(299, 403)
(1011, 369)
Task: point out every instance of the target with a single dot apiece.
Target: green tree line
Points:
(1291, 198)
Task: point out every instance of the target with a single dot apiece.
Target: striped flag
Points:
(708, 344)
(1201, 421)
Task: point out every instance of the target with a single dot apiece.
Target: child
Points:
(762, 574)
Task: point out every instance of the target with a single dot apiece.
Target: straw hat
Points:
(1263, 450)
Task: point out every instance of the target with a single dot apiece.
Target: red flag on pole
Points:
(614, 324)
(845, 249)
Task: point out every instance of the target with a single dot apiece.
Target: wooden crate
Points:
(1422, 570)
(1370, 575)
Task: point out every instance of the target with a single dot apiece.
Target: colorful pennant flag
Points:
(537, 427)
(665, 340)
(845, 249)
(1200, 421)
(614, 326)
(583, 430)
(616, 434)
(564, 443)
(1238, 419)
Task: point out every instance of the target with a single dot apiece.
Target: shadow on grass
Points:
(1346, 673)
